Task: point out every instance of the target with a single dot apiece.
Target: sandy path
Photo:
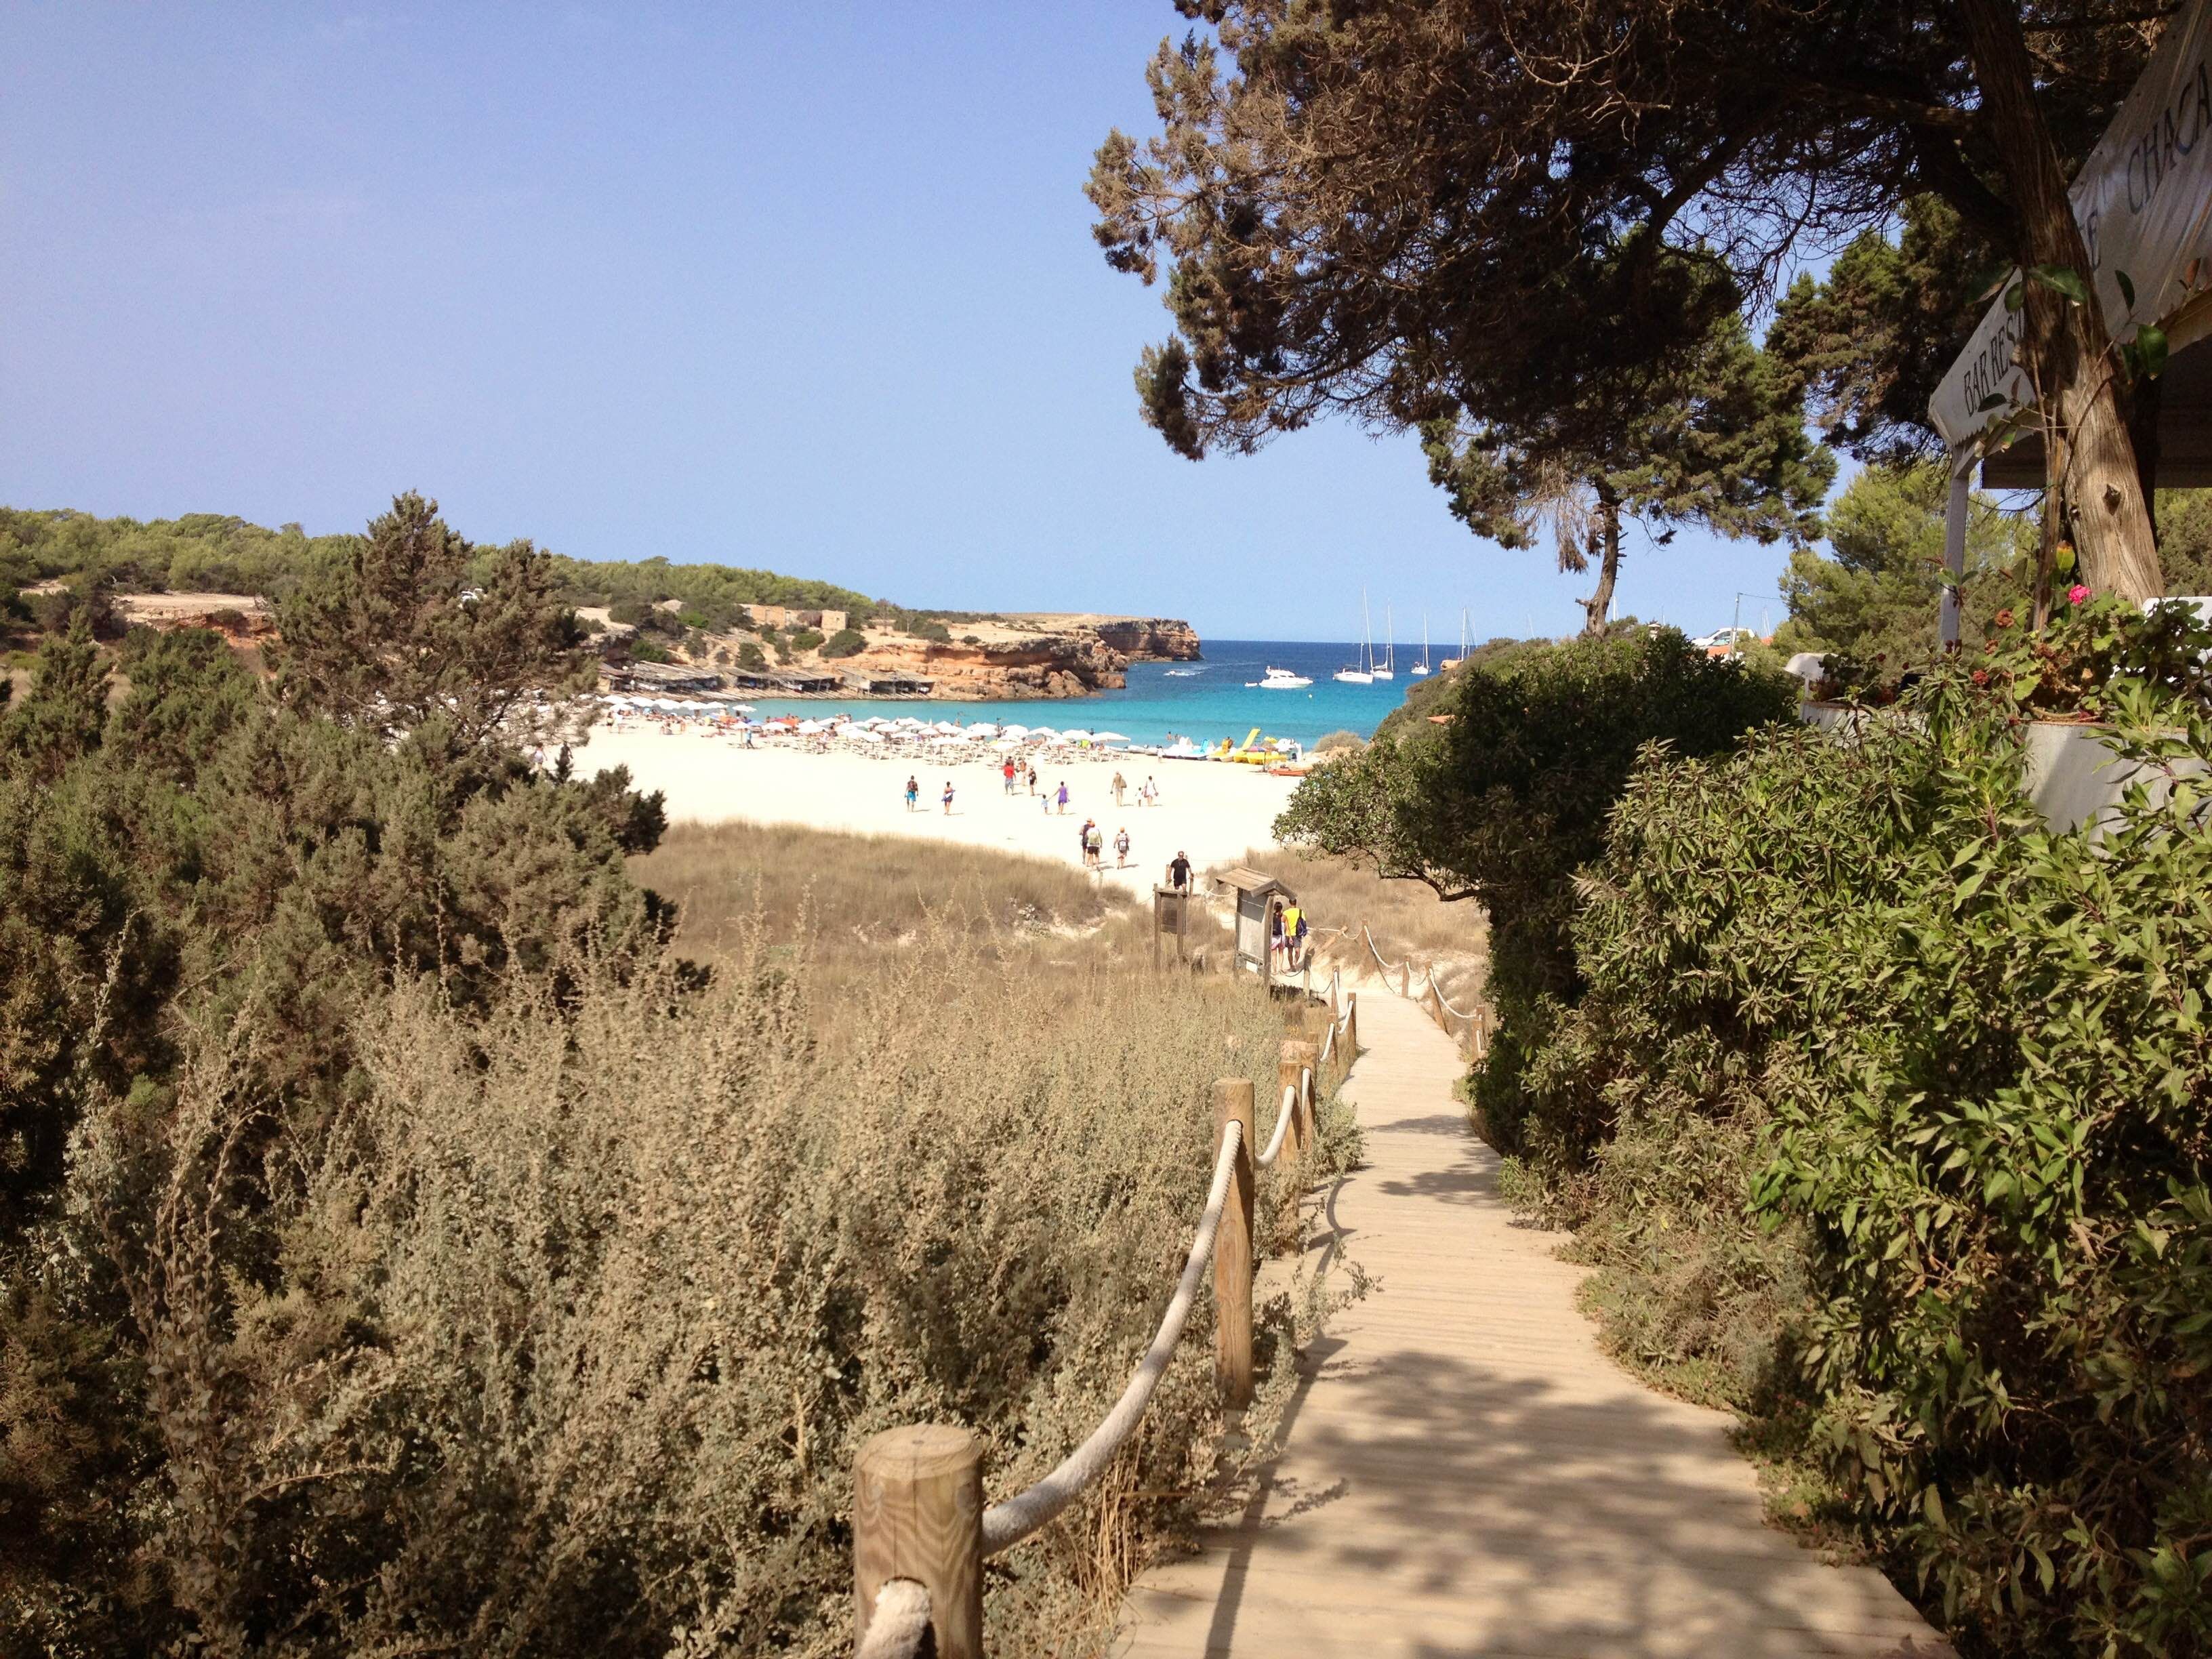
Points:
(1211, 811)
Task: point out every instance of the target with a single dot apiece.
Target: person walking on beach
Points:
(948, 798)
(1010, 777)
(1033, 780)
(1063, 796)
(1294, 930)
(1179, 874)
(1082, 844)
(1149, 794)
(1121, 847)
(913, 791)
(1119, 786)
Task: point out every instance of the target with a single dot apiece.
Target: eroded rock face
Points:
(1055, 664)
(1150, 639)
(1026, 656)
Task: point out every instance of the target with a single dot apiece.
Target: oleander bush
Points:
(1887, 1114)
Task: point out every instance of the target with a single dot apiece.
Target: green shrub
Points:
(805, 639)
(1885, 1116)
(750, 655)
(845, 642)
(1507, 802)
(1333, 742)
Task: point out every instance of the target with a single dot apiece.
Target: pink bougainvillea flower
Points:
(2076, 594)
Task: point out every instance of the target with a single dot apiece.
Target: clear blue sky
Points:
(807, 287)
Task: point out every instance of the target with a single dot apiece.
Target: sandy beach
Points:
(1208, 809)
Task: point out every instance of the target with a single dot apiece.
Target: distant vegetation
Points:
(214, 553)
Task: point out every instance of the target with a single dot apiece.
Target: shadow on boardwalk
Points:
(1463, 1473)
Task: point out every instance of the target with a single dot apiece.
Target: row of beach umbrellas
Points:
(883, 728)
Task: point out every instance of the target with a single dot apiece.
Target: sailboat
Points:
(1422, 667)
(1364, 674)
(1379, 670)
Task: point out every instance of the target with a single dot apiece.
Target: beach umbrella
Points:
(1014, 731)
(1107, 737)
(744, 707)
(946, 740)
(810, 727)
(947, 728)
(873, 737)
(1045, 731)
(976, 735)
(1076, 736)
(983, 729)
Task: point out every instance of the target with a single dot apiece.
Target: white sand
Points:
(1208, 809)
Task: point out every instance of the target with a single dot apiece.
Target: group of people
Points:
(1092, 840)
(1148, 792)
(1287, 935)
(914, 794)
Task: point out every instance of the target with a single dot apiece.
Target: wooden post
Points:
(1287, 1066)
(1406, 979)
(1351, 1038)
(918, 1514)
(1301, 1057)
(1232, 1250)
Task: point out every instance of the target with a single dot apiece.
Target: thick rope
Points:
(1376, 954)
(1283, 1116)
(1441, 1003)
(900, 1624)
(1006, 1524)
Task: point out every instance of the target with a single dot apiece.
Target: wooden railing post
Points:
(918, 1514)
(1350, 1040)
(1308, 1060)
(1233, 1103)
(1287, 1066)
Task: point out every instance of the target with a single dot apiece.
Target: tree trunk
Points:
(1599, 605)
(2094, 469)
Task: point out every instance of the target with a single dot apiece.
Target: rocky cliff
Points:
(1137, 639)
(1029, 656)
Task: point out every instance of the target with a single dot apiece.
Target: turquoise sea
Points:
(1204, 700)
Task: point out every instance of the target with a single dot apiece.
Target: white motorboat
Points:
(1363, 673)
(1282, 679)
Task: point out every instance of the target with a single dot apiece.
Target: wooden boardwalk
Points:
(1464, 1473)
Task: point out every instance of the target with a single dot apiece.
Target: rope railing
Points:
(900, 1623)
(1006, 1524)
(1430, 996)
(920, 1533)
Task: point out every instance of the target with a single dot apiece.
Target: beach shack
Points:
(664, 678)
(1256, 895)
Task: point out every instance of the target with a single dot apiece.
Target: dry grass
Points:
(1409, 921)
(862, 903)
